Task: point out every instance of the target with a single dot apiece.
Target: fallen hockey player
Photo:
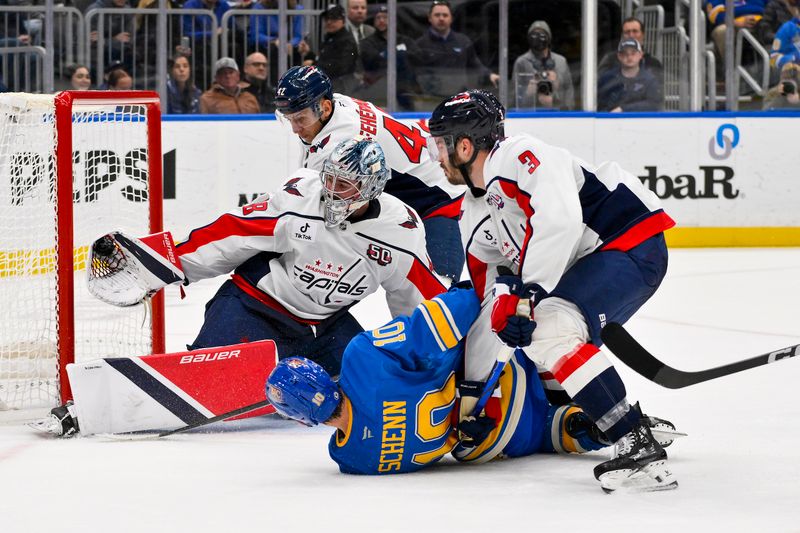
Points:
(399, 407)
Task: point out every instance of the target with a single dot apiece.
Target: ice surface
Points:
(739, 469)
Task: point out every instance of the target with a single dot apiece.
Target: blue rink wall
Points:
(728, 179)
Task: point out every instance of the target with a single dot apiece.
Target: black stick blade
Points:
(637, 358)
(630, 352)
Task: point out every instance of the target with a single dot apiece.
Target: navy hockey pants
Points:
(611, 286)
(233, 317)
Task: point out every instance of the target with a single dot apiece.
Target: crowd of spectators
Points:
(776, 25)
(351, 46)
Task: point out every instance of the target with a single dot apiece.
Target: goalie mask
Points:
(302, 390)
(354, 174)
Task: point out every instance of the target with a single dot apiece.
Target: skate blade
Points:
(47, 426)
(653, 477)
(666, 435)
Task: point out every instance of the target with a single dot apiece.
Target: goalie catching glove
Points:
(123, 270)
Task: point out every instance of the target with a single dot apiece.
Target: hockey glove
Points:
(123, 270)
(512, 311)
(472, 430)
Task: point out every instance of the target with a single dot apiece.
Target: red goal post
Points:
(74, 165)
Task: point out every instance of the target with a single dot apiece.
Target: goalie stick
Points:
(195, 425)
(634, 355)
(223, 416)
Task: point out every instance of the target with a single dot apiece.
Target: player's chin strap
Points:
(322, 121)
(477, 192)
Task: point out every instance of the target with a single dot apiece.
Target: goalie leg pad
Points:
(162, 392)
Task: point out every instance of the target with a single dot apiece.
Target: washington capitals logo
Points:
(319, 146)
(291, 186)
(495, 200)
(412, 221)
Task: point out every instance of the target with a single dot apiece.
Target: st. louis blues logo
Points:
(319, 146)
(495, 200)
(291, 186)
(412, 221)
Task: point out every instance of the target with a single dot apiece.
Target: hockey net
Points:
(72, 166)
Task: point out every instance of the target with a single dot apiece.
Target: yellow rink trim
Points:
(33, 262)
(732, 237)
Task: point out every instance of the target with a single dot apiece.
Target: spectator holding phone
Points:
(785, 95)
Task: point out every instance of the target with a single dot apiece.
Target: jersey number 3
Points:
(409, 138)
(527, 158)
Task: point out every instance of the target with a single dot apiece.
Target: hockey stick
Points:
(499, 365)
(223, 416)
(523, 310)
(194, 425)
(633, 354)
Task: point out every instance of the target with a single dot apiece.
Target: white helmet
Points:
(354, 174)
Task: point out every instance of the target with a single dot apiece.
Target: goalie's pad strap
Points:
(160, 268)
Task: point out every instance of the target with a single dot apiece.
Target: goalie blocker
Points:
(165, 391)
(123, 270)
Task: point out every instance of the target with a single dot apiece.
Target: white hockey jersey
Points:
(544, 209)
(283, 255)
(416, 179)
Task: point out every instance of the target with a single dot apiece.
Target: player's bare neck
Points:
(341, 421)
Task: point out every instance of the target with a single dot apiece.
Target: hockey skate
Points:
(662, 430)
(640, 463)
(61, 422)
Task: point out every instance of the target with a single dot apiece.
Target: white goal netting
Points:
(109, 191)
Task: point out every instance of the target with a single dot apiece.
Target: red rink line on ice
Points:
(14, 450)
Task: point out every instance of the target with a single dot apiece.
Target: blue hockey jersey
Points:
(399, 383)
(786, 46)
(400, 386)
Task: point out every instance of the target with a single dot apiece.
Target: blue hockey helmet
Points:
(302, 87)
(353, 174)
(301, 389)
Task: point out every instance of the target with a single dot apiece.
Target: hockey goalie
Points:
(298, 259)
